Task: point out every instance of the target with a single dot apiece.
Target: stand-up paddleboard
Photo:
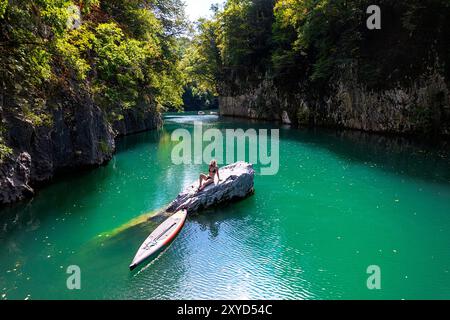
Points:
(160, 238)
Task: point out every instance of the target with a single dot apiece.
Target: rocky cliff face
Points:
(421, 107)
(265, 102)
(79, 136)
(135, 121)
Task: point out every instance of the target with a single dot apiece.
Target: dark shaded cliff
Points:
(79, 136)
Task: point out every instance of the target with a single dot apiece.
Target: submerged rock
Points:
(237, 183)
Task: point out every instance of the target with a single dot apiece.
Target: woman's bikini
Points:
(212, 172)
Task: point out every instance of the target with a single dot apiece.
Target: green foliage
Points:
(87, 5)
(312, 41)
(323, 33)
(39, 63)
(134, 53)
(202, 59)
(202, 66)
(123, 53)
(74, 48)
(172, 16)
(4, 149)
(328, 35)
(135, 17)
(54, 14)
(234, 45)
(36, 116)
(245, 35)
(137, 61)
(3, 5)
(25, 40)
(120, 62)
(104, 147)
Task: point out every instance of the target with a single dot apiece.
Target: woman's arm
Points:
(217, 172)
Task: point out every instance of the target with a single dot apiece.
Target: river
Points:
(341, 202)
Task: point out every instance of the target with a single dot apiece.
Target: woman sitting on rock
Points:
(206, 180)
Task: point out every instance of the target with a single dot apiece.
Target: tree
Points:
(123, 52)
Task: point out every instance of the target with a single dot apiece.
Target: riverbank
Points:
(79, 137)
(420, 108)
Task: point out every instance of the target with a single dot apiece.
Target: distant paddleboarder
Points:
(206, 180)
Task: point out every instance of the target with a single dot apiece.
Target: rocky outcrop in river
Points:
(237, 183)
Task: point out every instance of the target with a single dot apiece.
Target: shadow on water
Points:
(49, 201)
(141, 227)
(127, 143)
(211, 219)
(423, 159)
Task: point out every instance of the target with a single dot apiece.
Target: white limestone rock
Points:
(237, 183)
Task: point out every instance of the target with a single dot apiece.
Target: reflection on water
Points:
(402, 155)
(342, 201)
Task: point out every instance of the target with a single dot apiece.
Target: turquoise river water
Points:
(341, 202)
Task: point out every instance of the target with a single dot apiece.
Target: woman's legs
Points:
(203, 177)
(207, 181)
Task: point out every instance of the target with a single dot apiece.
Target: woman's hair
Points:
(213, 163)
